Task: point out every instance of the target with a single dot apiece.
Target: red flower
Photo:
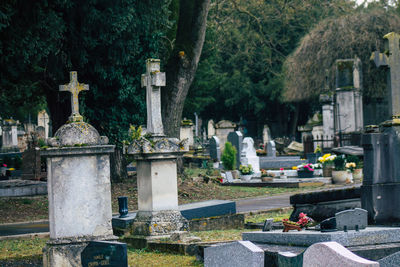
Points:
(281, 169)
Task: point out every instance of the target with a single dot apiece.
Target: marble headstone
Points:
(332, 254)
(249, 156)
(239, 253)
(351, 219)
(271, 149)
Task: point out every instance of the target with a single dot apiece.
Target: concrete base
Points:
(67, 253)
(158, 223)
(18, 188)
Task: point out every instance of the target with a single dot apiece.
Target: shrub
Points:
(339, 162)
(229, 157)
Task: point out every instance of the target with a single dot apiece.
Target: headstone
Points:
(41, 132)
(332, 254)
(229, 177)
(103, 253)
(43, 120)
(236, 139)
(239, 253)
(271, 149)
(268, 225)
(210, 129)
(10, 135)
(222, 129)
(266, 134)
(352, 219)
(186, 131)
(249, 156)
(215, 150)
(349, 115)
(79, 188)
(153, 79)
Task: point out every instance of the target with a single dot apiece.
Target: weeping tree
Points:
(350, 36)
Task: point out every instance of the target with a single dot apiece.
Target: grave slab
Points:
(240, 253)
(392, 260)
(368, 236)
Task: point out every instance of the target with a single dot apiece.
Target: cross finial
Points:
(74, 87)
(391, 59)
(153, 79)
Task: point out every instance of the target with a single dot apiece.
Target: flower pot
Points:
(327, 171)
(305, 174)
(246, 177)
(342, 177)
(358, 175)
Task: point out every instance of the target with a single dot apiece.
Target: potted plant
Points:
(317, 168)
(357, 170)
(246, 172)
(341, 175)
(305, 171)
(327, 164)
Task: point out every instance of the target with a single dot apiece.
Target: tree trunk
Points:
(182, 64)
(118, 166)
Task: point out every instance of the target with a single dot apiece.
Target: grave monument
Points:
(381, 183)
(10, 136)
(156, 156)
(79, 189)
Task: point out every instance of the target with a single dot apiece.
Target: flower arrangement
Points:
(305, 167)
(246, 169)
(304, 221)
(327, 159)
(350, 166)
(316, 166)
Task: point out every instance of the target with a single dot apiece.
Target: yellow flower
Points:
(294, 168)
(11, 169)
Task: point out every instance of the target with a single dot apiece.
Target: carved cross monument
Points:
(391, 59)
(153, 80)
(74, 87)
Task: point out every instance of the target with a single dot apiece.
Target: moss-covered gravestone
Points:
(79, 189)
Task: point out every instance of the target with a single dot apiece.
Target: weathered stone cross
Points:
(74, 87)
(153, 79)
(391, 59)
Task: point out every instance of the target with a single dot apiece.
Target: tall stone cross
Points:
(391, 59)
(153, 79)
(74, 87)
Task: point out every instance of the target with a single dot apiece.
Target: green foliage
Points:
(339, 162)
(240, 70)
(135, 133)
(106, 42)
(228, 157)
(246, 169)
(355, 159)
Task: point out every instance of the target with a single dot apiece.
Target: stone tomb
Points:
(271, 161)
(222, 129)
(79, 188)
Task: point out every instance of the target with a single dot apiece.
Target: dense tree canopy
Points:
(339, 38)
(107, 42)
(240, 72)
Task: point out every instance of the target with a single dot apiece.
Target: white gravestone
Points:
(43, 120)
(249, 156)
(266, 134)
(332, 254)
(210, 129)
(153, 79)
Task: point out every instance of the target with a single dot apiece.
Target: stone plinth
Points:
(157, 186)
(79, 191)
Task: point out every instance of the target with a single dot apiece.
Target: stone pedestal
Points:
(381, 184)
(79, 192)
(10, 136)
(158, 213)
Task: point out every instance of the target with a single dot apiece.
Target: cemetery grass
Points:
(28, 252)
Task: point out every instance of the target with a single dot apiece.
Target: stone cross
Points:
(391, 59)
(74, 87)
(153, 79)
